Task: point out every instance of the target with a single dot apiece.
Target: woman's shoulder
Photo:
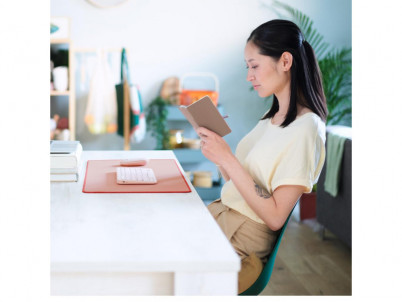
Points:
(312, 123)
(308, 118)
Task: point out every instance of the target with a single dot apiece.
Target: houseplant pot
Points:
(156, 114)
(308, 205)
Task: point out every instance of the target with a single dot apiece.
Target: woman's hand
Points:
(214, 147)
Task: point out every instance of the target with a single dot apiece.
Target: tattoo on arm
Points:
(261, 192)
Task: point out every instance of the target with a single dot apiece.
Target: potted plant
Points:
(307, 204)
(156, 114)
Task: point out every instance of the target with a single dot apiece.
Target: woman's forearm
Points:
(272, 209)
(258, 199)
(223, 173)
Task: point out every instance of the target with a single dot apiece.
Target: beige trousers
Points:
(252, 241)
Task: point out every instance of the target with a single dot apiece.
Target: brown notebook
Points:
(203, 113)
(100, 177)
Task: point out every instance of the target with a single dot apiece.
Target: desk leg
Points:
(203, 284)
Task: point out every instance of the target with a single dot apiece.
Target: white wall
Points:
(166, 38)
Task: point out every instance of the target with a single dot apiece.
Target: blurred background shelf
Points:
(55, 92)
(208, 195)
(62, 103)
(187, 156)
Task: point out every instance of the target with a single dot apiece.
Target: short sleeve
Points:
(301, 163)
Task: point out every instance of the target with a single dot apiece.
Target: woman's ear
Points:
(286, 61)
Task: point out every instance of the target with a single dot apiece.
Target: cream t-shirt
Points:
(276, 156)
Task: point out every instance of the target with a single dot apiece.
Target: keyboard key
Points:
(135, 175)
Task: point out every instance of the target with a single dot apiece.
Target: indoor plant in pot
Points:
(156, 114)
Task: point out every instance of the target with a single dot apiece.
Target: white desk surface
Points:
(136, 232)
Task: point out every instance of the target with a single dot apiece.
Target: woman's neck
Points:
(283, 97)
(283, 103)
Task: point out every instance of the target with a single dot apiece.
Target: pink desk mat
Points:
(100, 177)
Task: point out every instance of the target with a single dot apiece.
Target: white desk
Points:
(136, 244)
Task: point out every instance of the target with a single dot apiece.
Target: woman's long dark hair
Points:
(275, 37)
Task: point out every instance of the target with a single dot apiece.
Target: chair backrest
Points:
(262, 281)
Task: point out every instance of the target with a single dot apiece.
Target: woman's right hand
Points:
(214, 147)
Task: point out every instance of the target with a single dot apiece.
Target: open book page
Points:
(203, 113)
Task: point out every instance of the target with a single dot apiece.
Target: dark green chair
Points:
(262, 281)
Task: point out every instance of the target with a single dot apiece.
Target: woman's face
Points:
(265, 73)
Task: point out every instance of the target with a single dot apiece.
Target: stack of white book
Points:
(65, 160)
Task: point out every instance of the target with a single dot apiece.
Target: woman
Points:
(282, 157)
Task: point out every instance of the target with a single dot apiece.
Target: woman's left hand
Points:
(214, 147)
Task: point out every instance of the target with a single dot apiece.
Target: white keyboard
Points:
(135, 175)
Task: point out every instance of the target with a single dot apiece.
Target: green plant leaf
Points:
(156, 115)
(306, 26)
